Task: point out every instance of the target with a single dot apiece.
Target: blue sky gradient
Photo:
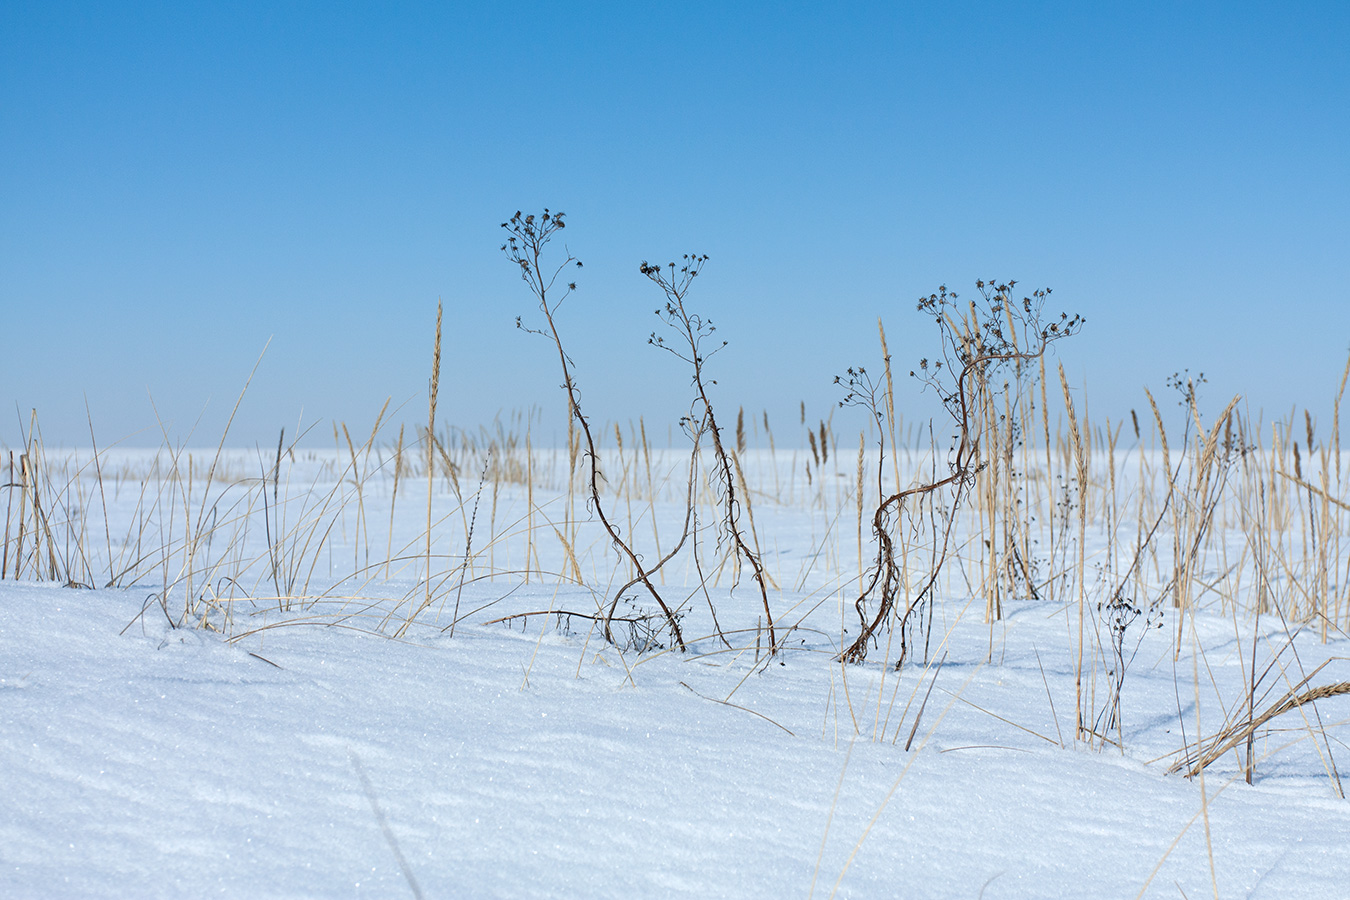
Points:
(180, 183)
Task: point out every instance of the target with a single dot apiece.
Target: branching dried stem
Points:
(693, 331)
(527, 236)
(996, 335)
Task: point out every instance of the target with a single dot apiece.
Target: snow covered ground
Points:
(300, 750)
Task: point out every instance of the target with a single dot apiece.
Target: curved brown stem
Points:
(524, 247)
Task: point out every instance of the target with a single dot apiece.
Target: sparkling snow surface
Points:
(138, 759)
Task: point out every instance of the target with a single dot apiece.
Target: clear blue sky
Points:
(180, 182)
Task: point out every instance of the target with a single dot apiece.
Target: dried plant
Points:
(693, 331)
(527, 238)
(994, 338)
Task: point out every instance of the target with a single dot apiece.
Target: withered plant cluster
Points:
(1014, 494)
(527, 237)
(986, 350)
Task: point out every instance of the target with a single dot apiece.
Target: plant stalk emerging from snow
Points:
(528, 235)
(693, 330)
(976, 347)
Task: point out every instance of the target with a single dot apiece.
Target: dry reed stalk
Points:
(451, 469)
(573, 450)
(29, 477)
(393, 501)
(189, 545)
(1207, 489)
(622, 489)
(1171, 488)
(890, 403)
(1262, 590)
(530, 552)
(360, 504)
(492, 519)
(986, 522)
(42, 526)
(342, 473)
(1266, 477)
(102, 496)
(750, 514)
(571, 556)
(431, 459)
(1027, 488)
(1112, 510)
(1007, 496)
(773, 460)
(1081, 474)
(862, 453)
(1343, 595)
(1049, 520)
(1142, 494)
(10, 485)
(1323, 586)
(360, 477)
(999, 545)
(272, 549)
(651, 493)
(1303, 520)
(23, 514)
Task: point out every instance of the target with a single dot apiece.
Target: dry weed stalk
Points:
(693, 330)
(527, 236)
